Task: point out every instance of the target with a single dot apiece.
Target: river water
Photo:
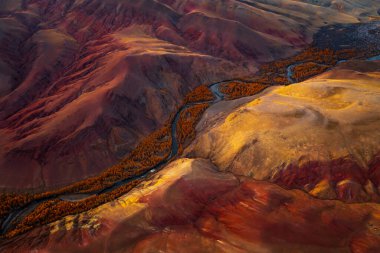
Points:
(13, 217)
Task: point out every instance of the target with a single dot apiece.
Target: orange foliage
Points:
(304, 71)
(157, 146)
(186, 124)
(240, 89)
(11, 201)
(201, 93)
(280, 80)
(274, 73)
(52, 210)
(152, 150)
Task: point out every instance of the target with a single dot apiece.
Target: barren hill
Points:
(82, 81)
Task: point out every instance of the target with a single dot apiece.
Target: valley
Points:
(166, 144)
(189, 126)
(83, 82)
(238, 208)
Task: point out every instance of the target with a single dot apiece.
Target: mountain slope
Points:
(197, 205)
(83, 81)
(319, 135)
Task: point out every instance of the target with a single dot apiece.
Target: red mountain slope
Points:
(82, 81)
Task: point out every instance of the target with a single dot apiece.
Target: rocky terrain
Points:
(189, 126)
(81, 82)
(319, 135)
(310, 192)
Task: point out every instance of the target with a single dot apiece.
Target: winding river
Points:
(374, 58)
(13, 217)
(289, 69)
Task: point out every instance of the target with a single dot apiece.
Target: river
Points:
(13, 217)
